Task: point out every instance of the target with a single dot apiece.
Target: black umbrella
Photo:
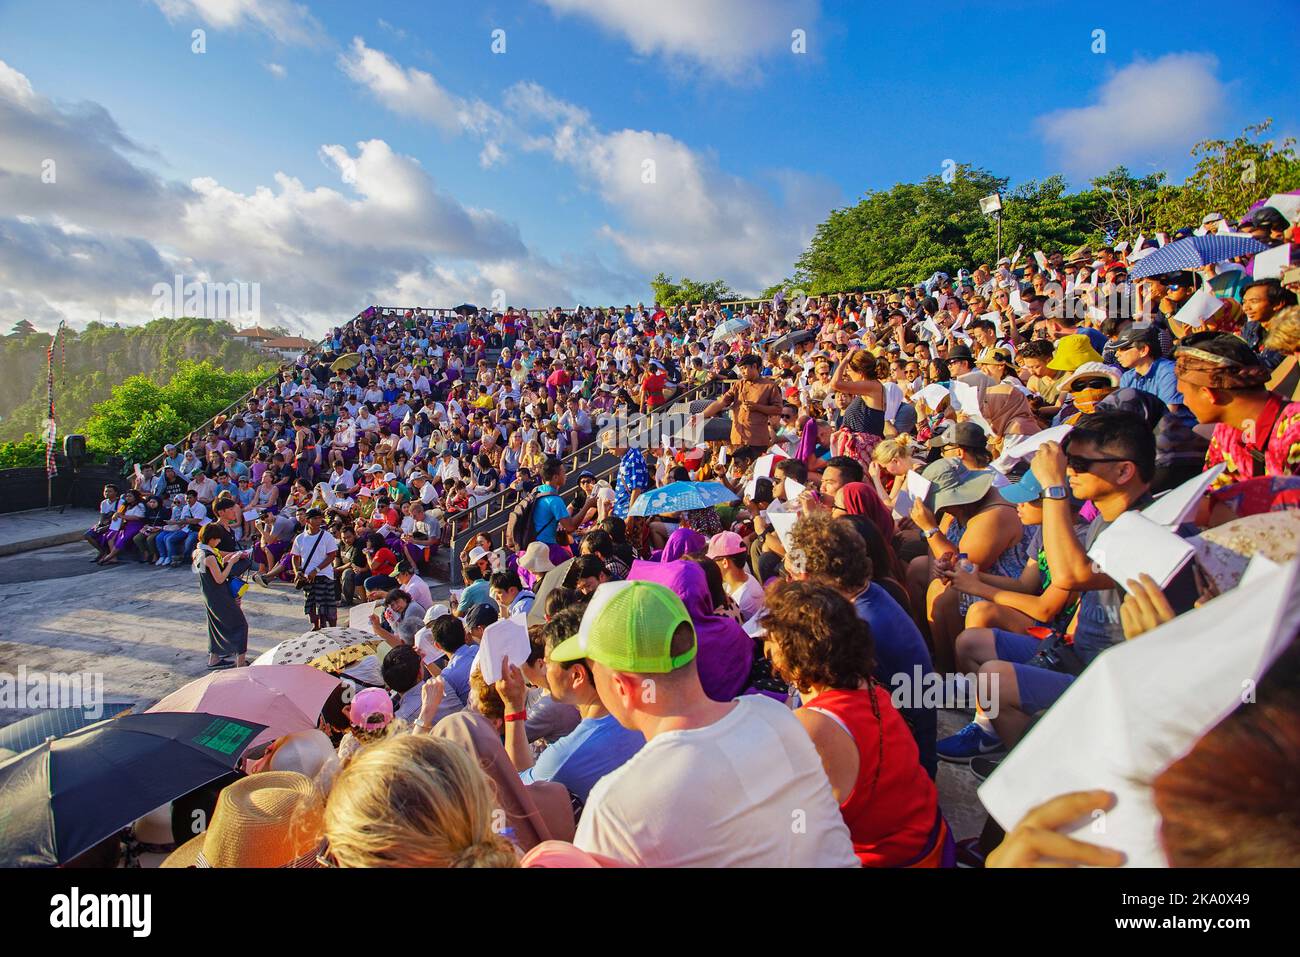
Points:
(54, 723)
(716, 429)
(65, 796)
(466, 309)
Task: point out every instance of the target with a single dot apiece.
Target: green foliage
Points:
(27, 452)
(139, 417)
(669, 294)
(1230, 175)
(88, 364)
(905, 234)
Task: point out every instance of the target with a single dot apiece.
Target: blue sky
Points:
(341, 153)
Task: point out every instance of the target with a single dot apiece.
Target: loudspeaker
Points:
(74, 447)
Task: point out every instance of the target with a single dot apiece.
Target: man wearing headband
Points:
(1224, 383)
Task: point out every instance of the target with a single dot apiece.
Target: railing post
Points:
(453, 559)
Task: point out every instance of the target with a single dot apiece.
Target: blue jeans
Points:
(177, 544)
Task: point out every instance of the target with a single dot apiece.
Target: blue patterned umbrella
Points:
(682, 497)
(1193, 252)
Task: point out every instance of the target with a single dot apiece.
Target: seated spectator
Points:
(597, 746)
(413, 801)
(831, 551)
(890, 805)
(703, 791)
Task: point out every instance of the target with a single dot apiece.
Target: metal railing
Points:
(490, 510)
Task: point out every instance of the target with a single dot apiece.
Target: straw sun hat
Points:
(252, 826)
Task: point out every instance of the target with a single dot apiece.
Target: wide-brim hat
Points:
(953, 484)
(537, 558)
(253, 826)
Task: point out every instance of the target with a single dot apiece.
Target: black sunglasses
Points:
(1078, 385)
(1082, 464)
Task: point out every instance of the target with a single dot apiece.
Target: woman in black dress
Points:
(227, 626)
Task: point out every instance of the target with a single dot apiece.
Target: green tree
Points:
(87, 364)
(140, 416)
(669, 294)
(1124, 206)
(1230, 175)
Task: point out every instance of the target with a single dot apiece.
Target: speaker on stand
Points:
(74, 450)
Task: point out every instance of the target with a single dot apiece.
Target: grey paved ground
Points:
(144, 630)
(22, 531)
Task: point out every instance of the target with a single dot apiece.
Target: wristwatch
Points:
(1056, 492)
(930, 532)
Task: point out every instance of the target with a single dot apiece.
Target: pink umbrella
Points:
(285, 698)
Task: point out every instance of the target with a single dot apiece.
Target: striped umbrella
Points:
(1193, 252)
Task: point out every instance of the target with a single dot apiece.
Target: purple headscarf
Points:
(680, 542)
(807, 440)
(726, 653)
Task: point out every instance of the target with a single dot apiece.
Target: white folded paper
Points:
(793, 490)
(782, 523)
(359, 616)
(932, 395)
(503, 639)
(1017, 448)
(1133, 544)
(1178, 504)
(1142, 704)
(1199, 308)
(915, 486)
(1271, 263)
(966, 398)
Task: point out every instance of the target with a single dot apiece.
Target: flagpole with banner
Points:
(51, 428)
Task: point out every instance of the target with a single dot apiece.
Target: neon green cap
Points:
(629, 626)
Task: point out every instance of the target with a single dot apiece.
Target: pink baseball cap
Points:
(371, 709)
(726, 543)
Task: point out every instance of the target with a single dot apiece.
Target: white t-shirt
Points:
(419, 592)
(746, 791)
(320, 563)
(748, 596)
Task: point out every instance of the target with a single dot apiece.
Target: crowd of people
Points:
(911, 486)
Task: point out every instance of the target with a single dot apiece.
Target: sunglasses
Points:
(1082, 464)
(1078, 385)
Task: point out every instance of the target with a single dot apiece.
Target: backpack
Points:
(520, 532)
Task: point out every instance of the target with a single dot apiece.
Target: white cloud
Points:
(677, 210)
(97, 240)
(693, 219)
(412, 92)
(1141, 112)
(284, 20)
(277, 71)
(720, 36)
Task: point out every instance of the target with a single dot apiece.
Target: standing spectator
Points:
(313, 554)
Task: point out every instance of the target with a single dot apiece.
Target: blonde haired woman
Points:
(892, 458)
(533, 457)
(413, 801)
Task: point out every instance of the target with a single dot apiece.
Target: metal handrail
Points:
(570, 461)
(506, 499)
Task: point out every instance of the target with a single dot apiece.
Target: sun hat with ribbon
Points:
(252, 826)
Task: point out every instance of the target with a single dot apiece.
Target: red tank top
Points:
(891, 810)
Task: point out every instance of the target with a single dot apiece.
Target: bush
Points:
(139, 417)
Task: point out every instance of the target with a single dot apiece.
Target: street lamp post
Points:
(991, 205)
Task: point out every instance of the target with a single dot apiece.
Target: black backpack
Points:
(520, 532)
